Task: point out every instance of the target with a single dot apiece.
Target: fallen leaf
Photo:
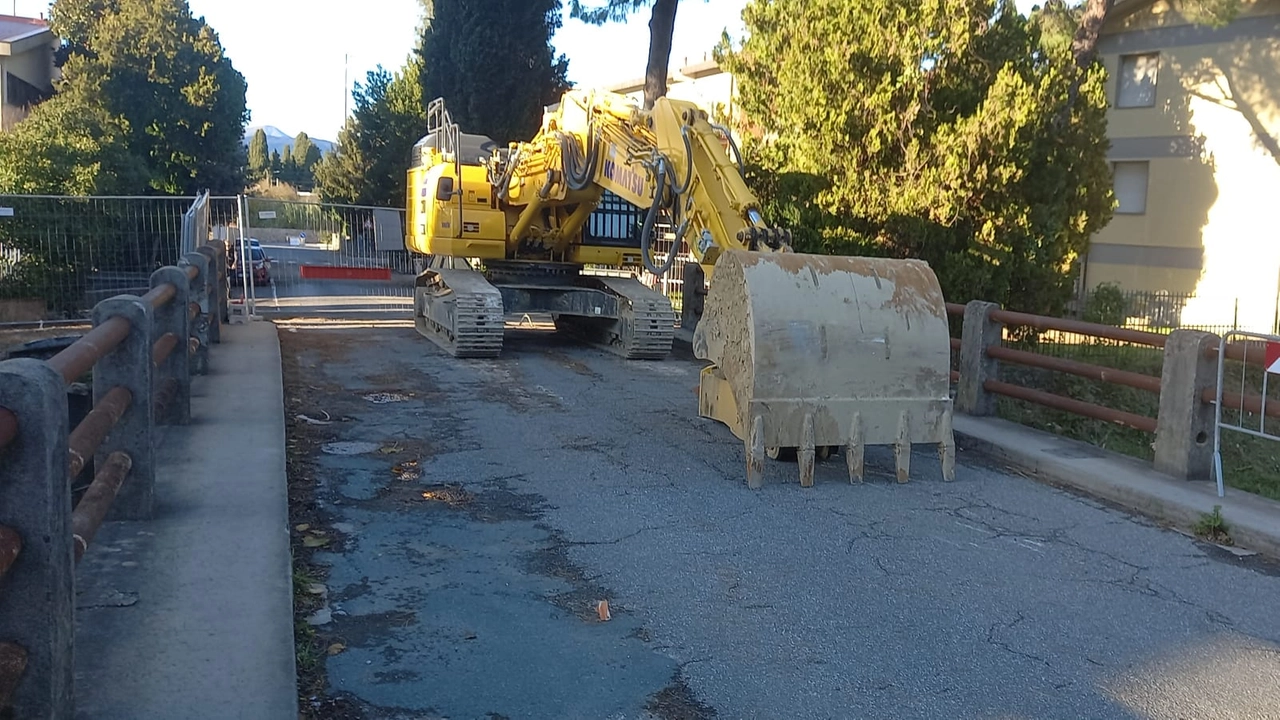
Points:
(390, 449)
(336, 648)
(602, 609)
(469, 636)
(317, 589)
(303, 527)
(312, 541)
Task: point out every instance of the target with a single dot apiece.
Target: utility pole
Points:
(346, 93)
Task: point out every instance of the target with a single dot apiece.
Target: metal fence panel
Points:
(326, 256)
(59, 255)
(1249, 403)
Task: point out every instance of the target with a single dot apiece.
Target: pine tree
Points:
(493, 63)
(368, 165)
(305, 152)
(288, 168)
(259, 156)
(305, 157)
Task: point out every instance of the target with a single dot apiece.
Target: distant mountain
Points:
(277, 139)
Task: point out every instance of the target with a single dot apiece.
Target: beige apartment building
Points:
(1194, 123)
(27, 71)
(704, 83)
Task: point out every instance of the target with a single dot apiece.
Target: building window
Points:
(1137, 87)
(1130, 179)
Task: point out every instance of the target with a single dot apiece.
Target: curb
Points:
(1253, 521)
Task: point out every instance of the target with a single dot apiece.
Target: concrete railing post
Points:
(37, 595)
(200, 287)
(130, 366)
(173, 318)
(979, 333)
(217, 289)
(1184, 427)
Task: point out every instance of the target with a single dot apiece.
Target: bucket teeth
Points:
(755, 454)
(947, 450)
(902, 449)
(855, 452)
(807, 451)
(830, 351)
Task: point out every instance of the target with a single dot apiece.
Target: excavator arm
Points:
(670, 161)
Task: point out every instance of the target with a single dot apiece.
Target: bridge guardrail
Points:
(141, 354)
(1189, 388)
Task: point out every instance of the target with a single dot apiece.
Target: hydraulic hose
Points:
(737, 154)
(650, 218)
(688, 162)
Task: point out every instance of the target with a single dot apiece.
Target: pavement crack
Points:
(887, 572)
(623, 538)
(991, 640)
(1218, 618)
(872, 532)
(687, 663)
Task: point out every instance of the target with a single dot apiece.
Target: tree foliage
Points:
(493, 63)
(148, 102)
(69, 147)
(164, 74)
(956, 131)
(369, 164)
(305, 154)
(259, 156)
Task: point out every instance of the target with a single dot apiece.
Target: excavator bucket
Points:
(812, 352)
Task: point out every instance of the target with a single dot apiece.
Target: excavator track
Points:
(644, 329)
(459, 311)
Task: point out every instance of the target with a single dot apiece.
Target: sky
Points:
(295, 57)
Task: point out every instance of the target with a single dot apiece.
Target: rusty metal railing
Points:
(142, 353)
(1186, 395)
(993, 349)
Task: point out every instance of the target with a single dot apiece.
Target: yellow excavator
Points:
(808, 353)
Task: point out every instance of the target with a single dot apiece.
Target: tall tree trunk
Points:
(661, 27)
(1084, 46)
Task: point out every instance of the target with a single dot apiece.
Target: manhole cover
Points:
(349, 448)
(382, 398)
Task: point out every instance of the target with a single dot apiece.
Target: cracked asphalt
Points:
(498, 501)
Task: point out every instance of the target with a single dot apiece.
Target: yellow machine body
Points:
(817, 351)
(808, 352)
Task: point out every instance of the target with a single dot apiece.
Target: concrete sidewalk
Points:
(1254, 521)
(190, 615)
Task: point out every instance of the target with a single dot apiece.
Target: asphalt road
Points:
(495, 502)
